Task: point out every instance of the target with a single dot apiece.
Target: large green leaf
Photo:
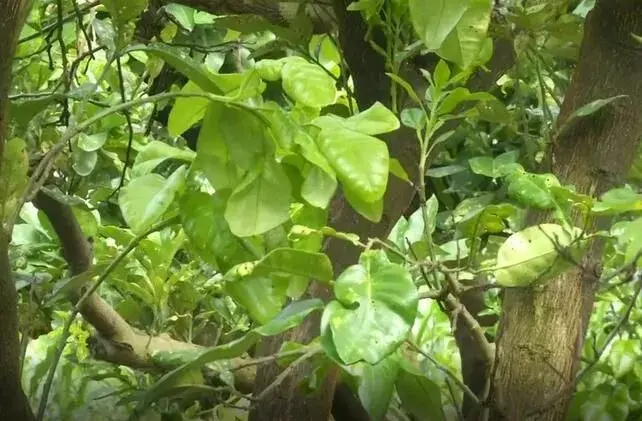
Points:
(144, 200)
(375, 307)
(377, 386)
(532, 190)
(375, 120)
(434, 22)
(234, 134)
(186, 111)
(84, 162)
(318, 187)
(464, 44)
(308, 84)
(537, 254)
(203, 221)
(261, 296)
(295, 262)
(261, 202)
(155, 153)
(360, 161)
(420, 396)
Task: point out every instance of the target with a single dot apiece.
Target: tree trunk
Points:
(542, 332)
(13, 402)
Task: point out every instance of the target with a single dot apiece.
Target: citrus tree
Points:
(365, 210)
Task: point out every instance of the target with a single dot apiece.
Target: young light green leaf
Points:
(434, 23)
(360, 161)
(186, 111)
(467, 40)
(318, 187)
(261, 202)
(156, 152)
(144, 200)
(308, 84)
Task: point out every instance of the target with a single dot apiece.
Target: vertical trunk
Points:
(13, 403)
(541, 332)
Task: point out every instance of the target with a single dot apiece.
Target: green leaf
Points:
(261, 296)
(290, 317)
(376, 305)
(445, 171)
(499, 166)
(144, 200)
(415, 118)
(375, 120)
(532, 190)
(155, 153)
(186, 111)
(397, 170)
(308, 84)
(208, 232)
(84, 162)
(91, 142)
(464, 44)
(617, 201)
(360, 161)
(261, 202)
(623, 356)
(537, 254)
(434, 23)
(420, 396)
(295, 262)
(241, 141)
(372, 211)
(377, 385)
(195, 71)
(318, 187)
(123, 14)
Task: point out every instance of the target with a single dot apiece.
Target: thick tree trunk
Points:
(542, 332)
(13, 402)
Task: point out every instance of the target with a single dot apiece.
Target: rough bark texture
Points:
(541, 332)
(13, 402)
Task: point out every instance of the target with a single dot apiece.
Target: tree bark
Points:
(542, 332)
(13, 402)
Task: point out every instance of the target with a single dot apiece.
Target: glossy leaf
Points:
(308, 84)
(318, 187)
(377, 304)
(361, 162)
(532, 190)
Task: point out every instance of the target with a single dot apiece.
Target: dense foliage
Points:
(199, 155)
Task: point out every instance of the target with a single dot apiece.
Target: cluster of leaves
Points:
(252, 200)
